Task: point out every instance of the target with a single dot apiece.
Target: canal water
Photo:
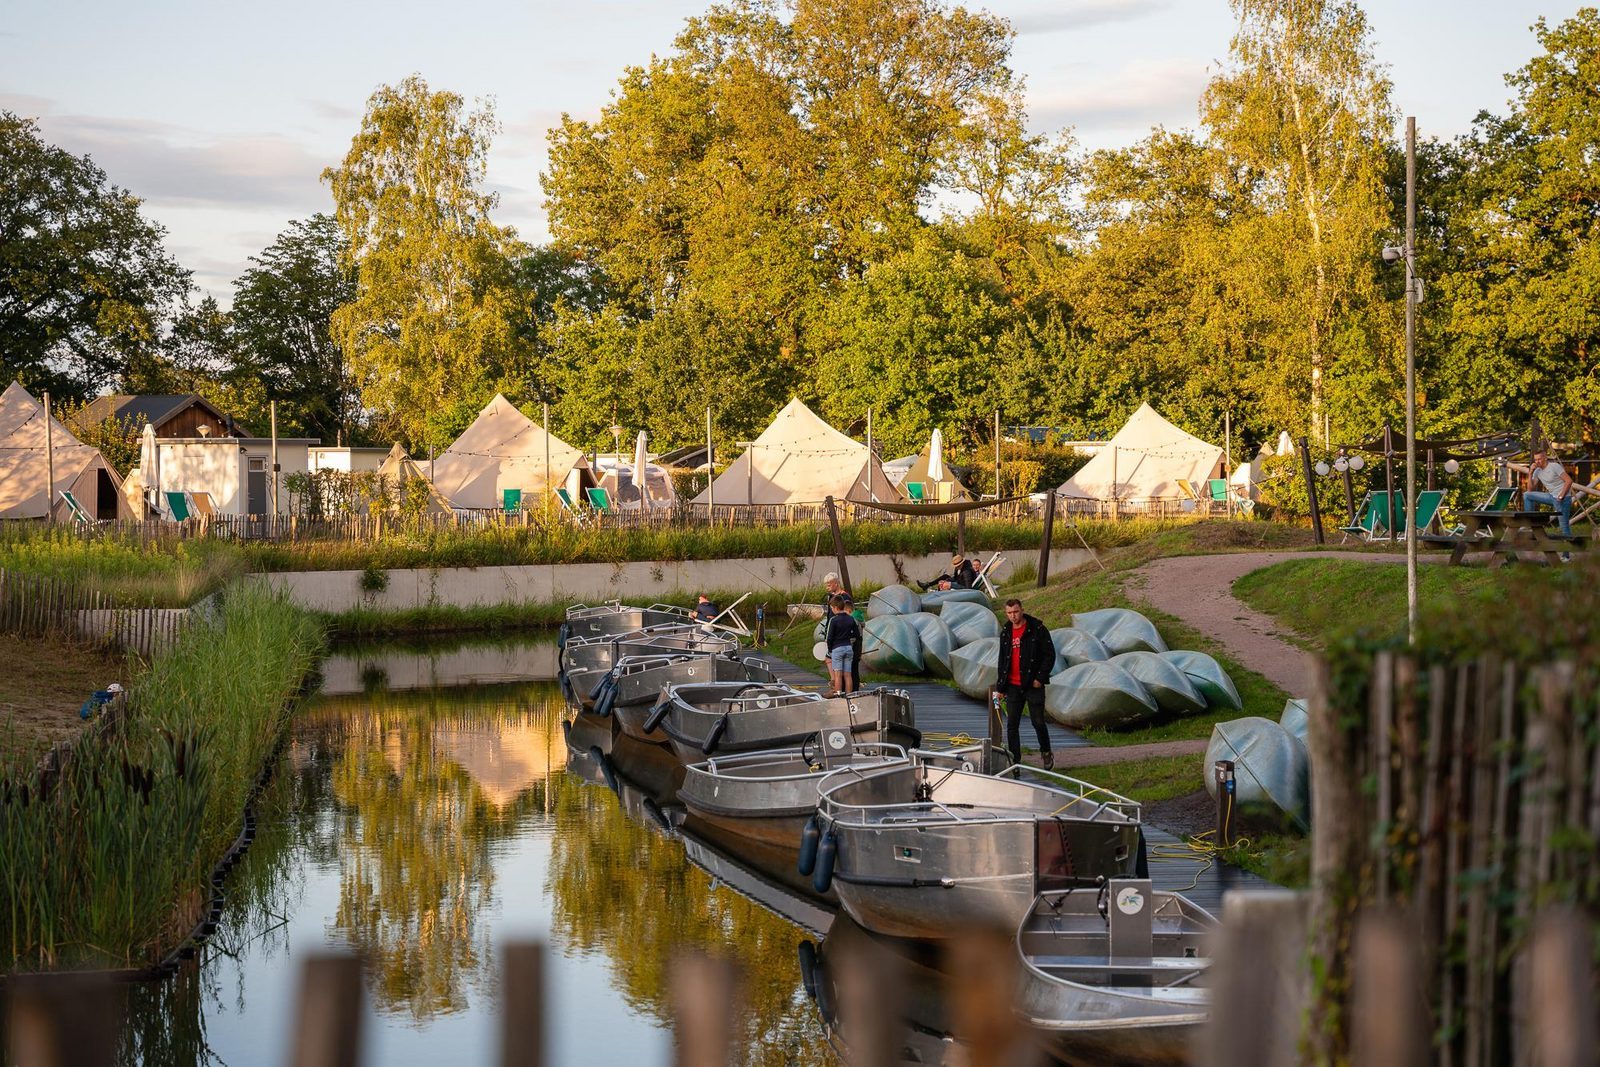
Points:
(426, 811)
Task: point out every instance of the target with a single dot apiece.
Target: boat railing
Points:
(908, 813)
(1086, 791)
(744, 760)
(589, 611)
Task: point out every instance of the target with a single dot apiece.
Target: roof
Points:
(1144, 462)
(152, 408)
(800, 459)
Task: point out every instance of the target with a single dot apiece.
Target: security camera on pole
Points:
(1393, 254)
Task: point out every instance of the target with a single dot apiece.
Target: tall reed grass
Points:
(131, 570)
(106, 864)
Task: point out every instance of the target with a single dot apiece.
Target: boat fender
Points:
(915, 736)
(602, 707)
(715, 736)
(657, 713)
(810, 834)
(827, 852)
(808, 968)
(600, 686)
(566, 728)
(652, 809)
(606, 770)
(561, 637)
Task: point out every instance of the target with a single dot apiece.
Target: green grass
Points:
(109, 866)
(1149, 781)
(167, 573)
(1323, 598)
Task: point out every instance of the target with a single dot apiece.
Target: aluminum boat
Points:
(926, 850)
(635, 684)
(725, 718)
(615, 617)
(1115, 975)
(586, 660)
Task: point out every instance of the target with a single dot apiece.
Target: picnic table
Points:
(1507, 534)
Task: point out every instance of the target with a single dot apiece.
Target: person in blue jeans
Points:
(1547, 482)
(841, 636)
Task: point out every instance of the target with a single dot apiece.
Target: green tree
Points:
(282, 308)
(1304, 114)
(436, 314)
(85, 282)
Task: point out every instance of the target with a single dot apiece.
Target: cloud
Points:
(166, 164)
(1082, 14)
(1139, 95)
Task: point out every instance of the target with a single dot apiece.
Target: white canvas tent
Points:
(930, 468)
(800, 459)
(1246, 479)
(398, 468)
(1147, 457)
(504, 449)
(79, 469)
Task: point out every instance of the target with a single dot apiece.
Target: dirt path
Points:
(1199, 590)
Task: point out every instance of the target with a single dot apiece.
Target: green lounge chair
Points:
(570, 507)
(1501, 499)
(511, 500)
(1219, 490)
(918, 492)
(78, 514)
(1372, 517)
(178, 504)
(599, 499)
(1429, 503)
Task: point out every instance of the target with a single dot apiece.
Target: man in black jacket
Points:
(1027, 656)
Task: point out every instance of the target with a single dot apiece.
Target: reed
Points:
(104, 863)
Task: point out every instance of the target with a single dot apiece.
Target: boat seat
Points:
(1135, 965)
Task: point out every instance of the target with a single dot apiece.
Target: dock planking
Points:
(941, 710)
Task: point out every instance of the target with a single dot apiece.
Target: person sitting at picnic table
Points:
(963, 575)
(843, 637)
(1547, 482)
(705, 609)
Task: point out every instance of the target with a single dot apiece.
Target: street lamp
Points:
(1394, 254)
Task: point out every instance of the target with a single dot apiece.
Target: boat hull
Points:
(721, 728)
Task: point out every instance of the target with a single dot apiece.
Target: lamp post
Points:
(1391, 254)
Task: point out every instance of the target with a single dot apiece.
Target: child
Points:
(842, 634)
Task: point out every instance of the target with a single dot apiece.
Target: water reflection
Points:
(423, 827)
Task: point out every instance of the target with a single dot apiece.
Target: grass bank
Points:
(1320, 599)
(131, 571)
(107, 865)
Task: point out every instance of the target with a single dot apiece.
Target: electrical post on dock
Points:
(1226, 792)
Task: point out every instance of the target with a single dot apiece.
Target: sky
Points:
(222, 115)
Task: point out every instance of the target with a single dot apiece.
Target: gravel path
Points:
(1199, 590)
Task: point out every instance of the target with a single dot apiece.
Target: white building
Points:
(347, 459)
(235, 471)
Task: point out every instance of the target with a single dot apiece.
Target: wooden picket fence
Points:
(40, 606)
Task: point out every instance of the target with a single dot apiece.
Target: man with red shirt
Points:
(1027, 655)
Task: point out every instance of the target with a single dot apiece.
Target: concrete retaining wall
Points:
(339, 591)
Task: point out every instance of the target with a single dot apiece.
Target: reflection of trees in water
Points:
(619, 888)
(424, 785)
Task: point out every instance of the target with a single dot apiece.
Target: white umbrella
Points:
(936, 457)
(640, 461)
(150, 464)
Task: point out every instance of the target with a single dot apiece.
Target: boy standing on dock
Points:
(842, 637)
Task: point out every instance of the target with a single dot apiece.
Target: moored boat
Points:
(724, 718)
(1115, 975)
(636, 683)
(926, 850)
(615, 617)
(586, 661)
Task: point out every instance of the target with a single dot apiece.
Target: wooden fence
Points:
(36, 606)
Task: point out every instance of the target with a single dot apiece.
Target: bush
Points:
(1025, 468)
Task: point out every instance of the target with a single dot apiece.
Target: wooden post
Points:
(328, 1020)
(1114, 510)
(272, 409)
(705, 1010)
(1227, 462)
(711, 476)
(838, 544)
(1311, 490)
(872, 489)
(1562, 991)
(961, 532)
(1388, 474)
(1259, 983)
(1387, 1021)
(1049, 530)
(49, 465)
(522, 1004)
(1338, 768)
(997, 493)
(549, 490)
(63, 1020)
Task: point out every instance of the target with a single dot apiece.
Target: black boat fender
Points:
(566, 729)
(657, 713)
(827, 853)
(714, 738)
(810, 835)
(606, 770)
(607, 699)
(808, 968)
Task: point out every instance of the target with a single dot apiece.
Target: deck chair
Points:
(983, 574)
(511, 501)
(1501, 499)
(1192, 495)
(177, 504)
(918, 492)
(203, 505)
(1372, 517)
(1218, 488)
(570, 507)
(79, 515)
(599, 499)
(1429, 503)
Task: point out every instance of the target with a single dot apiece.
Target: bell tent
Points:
(1144, 461)
(399, 469)
(930, 470)
(505, 450)
(25, 463)
(800, 459)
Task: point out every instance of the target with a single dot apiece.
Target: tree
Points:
(1304, 114)
(282, 310)
(84, 280)
(436, 314)
(198, 354)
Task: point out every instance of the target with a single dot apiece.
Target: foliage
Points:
(117, 438)
(108, 865)
(434, 321)
(128, 568)
(1025, 467)
(282, 308)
